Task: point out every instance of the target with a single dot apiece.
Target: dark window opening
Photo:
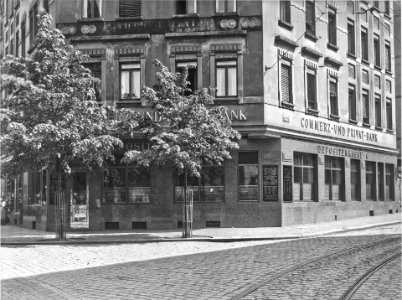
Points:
(96, 71)
(285, 11)
(191, 77)
(380, 181)
(378, 111)
(352, 103)
(351, 38)
(333, 97)
(389, 114)
(332, 28)
(310, 18)
(364, 42)
(312, 89)
(355, 178)
(366, 107)
(181, 7)
(370, 181)
(377, 54)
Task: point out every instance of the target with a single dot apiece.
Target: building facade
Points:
(310, 85)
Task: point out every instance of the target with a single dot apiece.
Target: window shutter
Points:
(285, 83)
(310, 17)
(129, 8)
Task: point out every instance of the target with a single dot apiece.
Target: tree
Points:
(190, 132)
(50, 118)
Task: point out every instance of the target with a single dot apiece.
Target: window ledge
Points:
(132, 103)
(390, 131)
(91, 19)
(190, 15)
(351, 55)
(312, 111)
(389, 72)
(332, 47)
(287, 105)
(351, 121)
(229, 100)
(366, 125)
(366, 62)
(334, 117)
(229, 13)
(129, 18)
(311, 37)
(285, 25)
(377, 67)
(378, 128)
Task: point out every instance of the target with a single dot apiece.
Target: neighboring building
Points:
(310, 85)
(398, 99)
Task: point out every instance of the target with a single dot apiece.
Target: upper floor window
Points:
(129, 8)
(130, 81)
(92, 8)
(23, 26)
(33, 24)
(352, 103)
(388, 57)
(310, 18)
(376, 4)
(226, 78)
(377, 54)
(285, 11)
(387, 8)
(351, 37)
(184, 7)
(364, 41)
(286, 93)
(366, 107)
(96, 71)
(388, 112)
(311, 88)
(225, 6)
(333, 97)
(332, 27)
(378, 111)
(192, 74)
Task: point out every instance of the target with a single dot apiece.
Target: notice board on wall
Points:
(270, 182)
(287, 184)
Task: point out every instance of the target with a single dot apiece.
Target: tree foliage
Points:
(189, 132)
(50, 118)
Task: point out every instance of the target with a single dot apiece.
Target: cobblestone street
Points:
(237, 273)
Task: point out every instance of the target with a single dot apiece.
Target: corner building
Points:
(308, 84)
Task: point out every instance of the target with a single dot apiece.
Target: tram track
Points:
(332, 255)
(349, 293)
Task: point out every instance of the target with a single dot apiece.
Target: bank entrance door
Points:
(79, 215)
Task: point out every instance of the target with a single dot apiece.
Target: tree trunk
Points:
(60, 207)
(187, 218)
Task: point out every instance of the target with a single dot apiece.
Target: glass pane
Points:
(115, 185)
(297, 191)
(232, 82)
(308, 191)
(136, 84)
(220, 82)
(125, 84)
(298, 175)
(308, 175)
(248, 182)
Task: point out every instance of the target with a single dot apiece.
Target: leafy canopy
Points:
(189, 132)
(50, 117)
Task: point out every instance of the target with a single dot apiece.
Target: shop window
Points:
(366, 107)
(223, 6)
(129, 8)
(248, 176)
(286, 92)
(184, 7)
(380, 181)
(332, 27)
(226, 78)
(207, 188)
(364, 44)
(370, 181)
(92, 8)
(284, 11)
(130, 81)
(310, 18)
(38, 186)
(378, 111)
(33, 24)
(352, 103)
(126, 184)
(305, 182)
(192, 74)
(355, 178)
(388, 57)
(351, 38)
(10, 191)
(388, 108)
(96, 71)
(19, 192)
(311, 86)
(334, 170)
(333, 97)
(389, 182)
(377, 54)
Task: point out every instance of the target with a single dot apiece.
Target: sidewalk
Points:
(14, 235)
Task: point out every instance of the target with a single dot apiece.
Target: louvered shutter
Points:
(286, 89)
(129, 8)
(310, 17)
(333, 98)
